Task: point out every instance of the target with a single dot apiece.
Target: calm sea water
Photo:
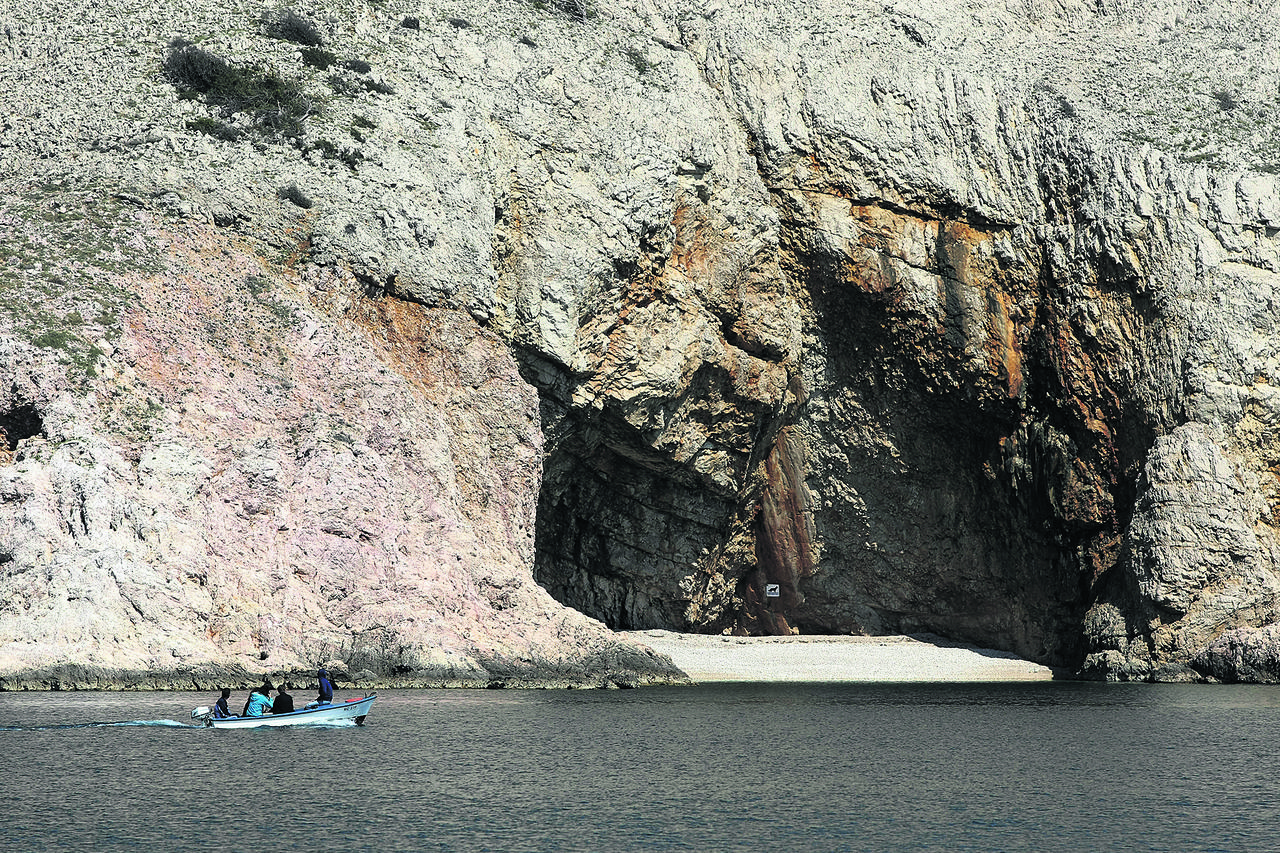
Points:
(1035, 767)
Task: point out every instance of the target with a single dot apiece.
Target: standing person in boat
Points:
(220, 709)
(259, 701)
(284, 702)
(326, 689)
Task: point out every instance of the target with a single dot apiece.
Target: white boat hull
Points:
(354, 710)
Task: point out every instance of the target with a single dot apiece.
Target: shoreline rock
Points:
(623, 666)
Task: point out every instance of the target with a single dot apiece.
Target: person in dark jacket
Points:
(220, 709)
(326, 688)
(284, 702)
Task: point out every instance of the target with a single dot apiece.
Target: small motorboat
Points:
(317, 715)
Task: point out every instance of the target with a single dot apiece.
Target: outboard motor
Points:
(202, 715)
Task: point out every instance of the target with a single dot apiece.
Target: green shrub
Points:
(359, 125)
(213, 127)
(639, 60)
(54, 339)
(288, 25)
(582, 10)
(344, 85)
(195, 70)
(318, 57)
(291, 193)
(275, 105)
(350, 156)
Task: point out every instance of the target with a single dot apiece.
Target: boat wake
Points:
(163, 724)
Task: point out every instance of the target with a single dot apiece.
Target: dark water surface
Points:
(1036, 767)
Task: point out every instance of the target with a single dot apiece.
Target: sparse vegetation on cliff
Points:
(272, 105)
(64, 241)
(288, 25)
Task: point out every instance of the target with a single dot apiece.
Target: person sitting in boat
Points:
(259, 702)
(220, 709)
(326, 690)
(284, 702)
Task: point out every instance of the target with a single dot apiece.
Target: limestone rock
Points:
(941, 316)
(1243, 654)
(269, 484)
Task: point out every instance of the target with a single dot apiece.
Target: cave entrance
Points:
(19, 423)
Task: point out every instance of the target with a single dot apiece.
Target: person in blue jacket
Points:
(259, 701)
(326, 688)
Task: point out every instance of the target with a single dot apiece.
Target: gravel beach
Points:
(836, 658)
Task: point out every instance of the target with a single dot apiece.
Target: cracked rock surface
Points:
(724, 316)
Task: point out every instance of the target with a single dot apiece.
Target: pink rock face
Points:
(274, 472)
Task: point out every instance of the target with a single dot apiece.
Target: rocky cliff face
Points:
(260, 474)
(331, 329)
